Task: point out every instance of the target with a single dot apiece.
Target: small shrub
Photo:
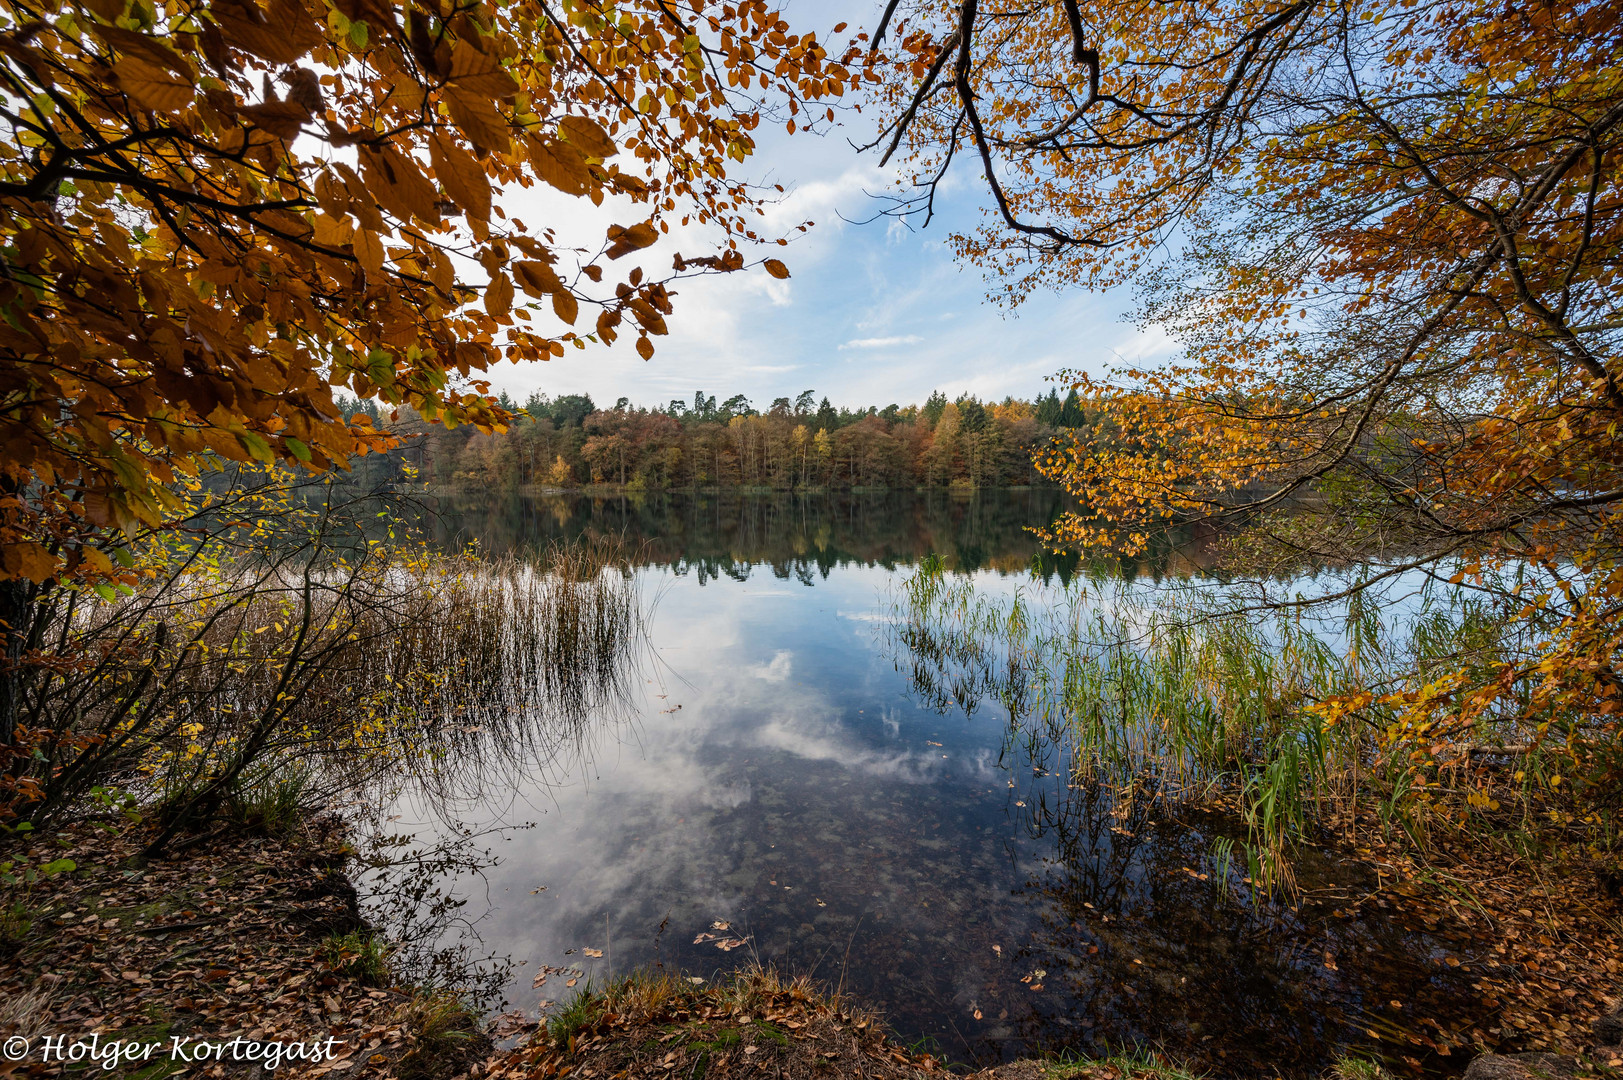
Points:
(273, 799)
(1355, 1068)
(582, 1009)
(1138, 1064)
(360, 956)
(448, 1036)
(14, 926)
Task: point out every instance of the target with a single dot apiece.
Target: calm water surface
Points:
(779, 775)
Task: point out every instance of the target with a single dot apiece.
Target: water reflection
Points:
(785, 779)
(802, 536)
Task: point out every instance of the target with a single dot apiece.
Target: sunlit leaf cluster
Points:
(214, 215)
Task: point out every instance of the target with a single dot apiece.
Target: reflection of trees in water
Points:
(797, 536)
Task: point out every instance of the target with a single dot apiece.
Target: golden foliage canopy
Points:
(1387, 234)
(216, 213)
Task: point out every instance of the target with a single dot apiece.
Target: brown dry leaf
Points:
(153, 87)
(776, 268)
(565, 306)
(537, 278)
(498, 302)
(623, 240)
(560, 165)
(130, 42)
(462, 177)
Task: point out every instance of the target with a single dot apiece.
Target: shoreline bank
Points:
(248, 940)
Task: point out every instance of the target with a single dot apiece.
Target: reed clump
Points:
(293, 651)
(1293, 711)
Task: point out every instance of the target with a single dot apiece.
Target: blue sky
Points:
(874, 313)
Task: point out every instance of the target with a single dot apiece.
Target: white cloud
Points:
(881, 342)
(841, 326)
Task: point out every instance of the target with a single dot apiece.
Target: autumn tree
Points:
(214, 214)
(1387, 234)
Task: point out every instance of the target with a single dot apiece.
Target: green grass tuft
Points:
(359, 955)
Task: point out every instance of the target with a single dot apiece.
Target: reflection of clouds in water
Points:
(724, 795)
(777, 670)
(868, 616)
(663, 827)
(984, 765)
(825, 741)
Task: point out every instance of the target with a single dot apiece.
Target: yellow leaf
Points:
(442, 273)
(394, 181)
(281, 118)
(588, 136)
(333, 231)
(282, 35)
(479, 73)
(475, 113)
(28, 560)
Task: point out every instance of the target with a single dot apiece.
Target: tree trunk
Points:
(16, 600)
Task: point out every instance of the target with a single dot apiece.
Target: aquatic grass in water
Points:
(1188, 689)
(525, 658)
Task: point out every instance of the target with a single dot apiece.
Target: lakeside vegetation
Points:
(296, 642)
(1383, 238)
(1195, 691)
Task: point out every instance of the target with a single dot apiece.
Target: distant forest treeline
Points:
(794, 444)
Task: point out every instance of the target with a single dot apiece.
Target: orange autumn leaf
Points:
(265, 205)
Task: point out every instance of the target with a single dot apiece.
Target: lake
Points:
(777, 790)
